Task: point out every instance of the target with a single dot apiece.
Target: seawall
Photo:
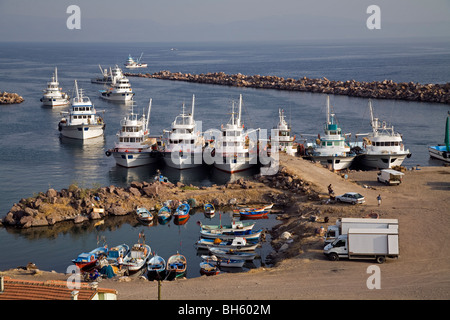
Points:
(387, 89)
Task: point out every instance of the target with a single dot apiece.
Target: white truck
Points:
(343, 224)
(390, 177)
(377, 244)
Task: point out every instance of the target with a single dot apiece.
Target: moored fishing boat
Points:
(257, 214)
(238, 244)
(331, 150)
(143, 215)
(382, 148)
(176, 267)
(281, 139)
(164, 214)
(134, 64)
(230, 263)
(107, 77)
(442, 152)
(232, 254)
(224, 235)
(119, 90)
(208, 268)
(87, 260)
(136, 257)
(115, 252)
(182, 212)
(209, 209)
(235, 225)
(156, 268)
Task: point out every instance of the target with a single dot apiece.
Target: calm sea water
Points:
(34, 157)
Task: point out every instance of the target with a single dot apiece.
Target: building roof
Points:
(15, 289)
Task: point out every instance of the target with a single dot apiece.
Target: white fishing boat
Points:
(134, 64)
(382, 148)
(442, 152)
(249, 235)
(120, 89)
(281, 139)
(134, 147)
(81, 121)
(231, 263)
(183, 143)
(232, 150)
(232, 254)
(137, 257)
(331, 149)
(53, 95)
(235, 225)
(107, 77)
(238, 244)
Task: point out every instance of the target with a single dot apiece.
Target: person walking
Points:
(379, 199)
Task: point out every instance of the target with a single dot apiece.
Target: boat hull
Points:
(82, 132)
(184, 162)
(134, 159)
(335, 162)
(112, 96)
(233, 167)
(440, 153)
(382, 161)
(54, 102)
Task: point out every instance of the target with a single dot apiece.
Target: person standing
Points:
(379, 199)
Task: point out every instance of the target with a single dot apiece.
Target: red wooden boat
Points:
(254, 214)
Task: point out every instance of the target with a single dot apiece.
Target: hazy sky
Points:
(220, 20)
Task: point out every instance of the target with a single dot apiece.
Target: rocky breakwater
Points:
(386, 89)
(10, 98)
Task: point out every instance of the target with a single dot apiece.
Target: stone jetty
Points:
(78, 204)
(10, 98)
(386, 89)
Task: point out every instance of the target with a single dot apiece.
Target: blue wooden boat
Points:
(182, 212)
(164, 214)
(87, 260)
(208, 268)
(156, 268)
(232, 254)
(209, 209)
(229, 235)
(227, 263)
(176, 267)
(115, 252)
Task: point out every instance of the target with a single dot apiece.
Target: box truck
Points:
(377, 244)
(390, 177)
(343, 224)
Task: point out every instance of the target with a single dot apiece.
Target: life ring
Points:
(108, 153)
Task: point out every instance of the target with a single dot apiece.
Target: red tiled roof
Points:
(15, 289)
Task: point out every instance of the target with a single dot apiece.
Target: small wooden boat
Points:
(235, 225)
(238, 244)
(263, 208)
(143, 215)
(209, 209)
(115, 252)
(253, 214)
(208, 268)
(230, 263)
(232, 254)
(137, 257)
(182, 212)
(164, 214)
(156, 268)
(225, 235)
(87, 260)
(176, 267)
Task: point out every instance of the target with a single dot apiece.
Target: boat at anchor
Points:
(53, 95)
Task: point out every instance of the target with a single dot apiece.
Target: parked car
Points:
(351, 197)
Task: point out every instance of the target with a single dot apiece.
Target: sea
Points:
(35, 158)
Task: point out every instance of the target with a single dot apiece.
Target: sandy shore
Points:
(421, 203)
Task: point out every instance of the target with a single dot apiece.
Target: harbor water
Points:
(34, 157)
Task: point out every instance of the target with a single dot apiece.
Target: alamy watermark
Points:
(374, 280)
(74, 20)
(374, 21)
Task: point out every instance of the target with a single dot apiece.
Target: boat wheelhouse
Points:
(281, 139)
(53, 95)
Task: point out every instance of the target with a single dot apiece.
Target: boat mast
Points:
(328, 110)
(76, 90)
(193, 102)
(374, 121)
(148, 114)
(56, 74)
(239, 113)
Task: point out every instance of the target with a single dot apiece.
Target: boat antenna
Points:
(240, 110)
(56, 74)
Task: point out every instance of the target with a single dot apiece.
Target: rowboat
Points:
(235, 225)
(238, 244)
(232, 254)
(253, 214)
(176, 266)
(182, 212)
(208, 268)
(209, 209)
(230, 263)
(156, 268)
(247, 234)
(88, 260)
(164, 214)
(143, 215)
(263, 208)
(137, 257)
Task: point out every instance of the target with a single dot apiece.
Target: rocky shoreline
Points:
(387, 89)
(10, 98)
(77, 204)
